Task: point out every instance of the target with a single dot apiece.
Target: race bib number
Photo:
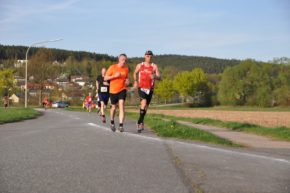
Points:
(146, 91)
(104, 89)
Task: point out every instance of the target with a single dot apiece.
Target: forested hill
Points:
(176, 62)
(18, 52)
(208, 64)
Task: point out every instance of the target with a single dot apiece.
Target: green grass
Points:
(174, 130)
(280, 133)
(17, 114)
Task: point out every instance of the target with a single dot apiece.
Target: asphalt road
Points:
(73, 152)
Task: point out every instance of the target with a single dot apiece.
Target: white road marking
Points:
(198, 146)
(233, 152)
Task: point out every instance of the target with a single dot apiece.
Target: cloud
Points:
(18, 13)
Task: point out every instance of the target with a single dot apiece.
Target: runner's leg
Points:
(121, 114)
(121, 111)
(112, 112)
(112, 116)
(102, 108)
(143, 108)
(103, 112)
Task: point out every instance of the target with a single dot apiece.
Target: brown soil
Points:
(268, 119)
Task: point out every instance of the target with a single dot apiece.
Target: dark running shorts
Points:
(144, 96)
(104, 97)
(118, 96)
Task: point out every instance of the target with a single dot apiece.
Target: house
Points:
(32, 86)
(19, 63)
(72, 95)
(62, 82)
(32, 92)
(19, 78)
(80, 80)
(74, 78)
(49, 86)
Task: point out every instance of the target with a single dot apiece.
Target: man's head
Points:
(148, 56)
(122, 59)
(104, 71)
(90, 94)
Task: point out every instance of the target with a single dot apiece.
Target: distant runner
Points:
(45, 103)
(89, 102)
(6, 101)
(102, 88)
(117, 74)
(147, 73)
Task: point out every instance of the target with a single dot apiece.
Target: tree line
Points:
(8, 54)
(182, 63)
(250, 83)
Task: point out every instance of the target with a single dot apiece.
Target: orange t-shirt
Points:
(117, 84)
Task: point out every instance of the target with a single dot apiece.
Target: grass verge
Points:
(174, 130)
(17, 114)
(280, 133)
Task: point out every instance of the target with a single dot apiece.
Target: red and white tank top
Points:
(88, 100)
(146, 80)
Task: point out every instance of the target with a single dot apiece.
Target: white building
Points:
(19, 63)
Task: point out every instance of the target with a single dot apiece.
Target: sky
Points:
(231, 29)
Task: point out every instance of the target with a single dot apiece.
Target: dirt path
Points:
(249, 140)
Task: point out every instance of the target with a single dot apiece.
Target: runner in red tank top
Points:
(147, 73)
(146, 80)
(89, 102)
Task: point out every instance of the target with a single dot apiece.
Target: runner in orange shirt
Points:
(117, 74)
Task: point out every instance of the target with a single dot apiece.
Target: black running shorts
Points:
(118, 96)
(144, 96)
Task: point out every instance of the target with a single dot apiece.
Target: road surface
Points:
(73, 152)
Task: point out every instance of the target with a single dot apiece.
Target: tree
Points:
(165, 89)
(7, 82)
(168, 72)
(189, 83)
(252, 83)
(213, 82)
(183, 84)
(282, 60)
(41, 68)
(73, 67)
(281, 93)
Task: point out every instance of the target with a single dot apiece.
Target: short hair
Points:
(123, 55)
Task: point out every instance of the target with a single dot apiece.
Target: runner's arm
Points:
(135, 75)
(127, 81)
(109, 75)
(157, 73)
(97, 86)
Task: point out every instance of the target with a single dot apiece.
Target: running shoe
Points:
(140, 127)
(121, 129)
(103, 118)
(113, 128)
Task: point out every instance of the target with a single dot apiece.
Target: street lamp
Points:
(26, 59)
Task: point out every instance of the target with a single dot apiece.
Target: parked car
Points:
(60, 104)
